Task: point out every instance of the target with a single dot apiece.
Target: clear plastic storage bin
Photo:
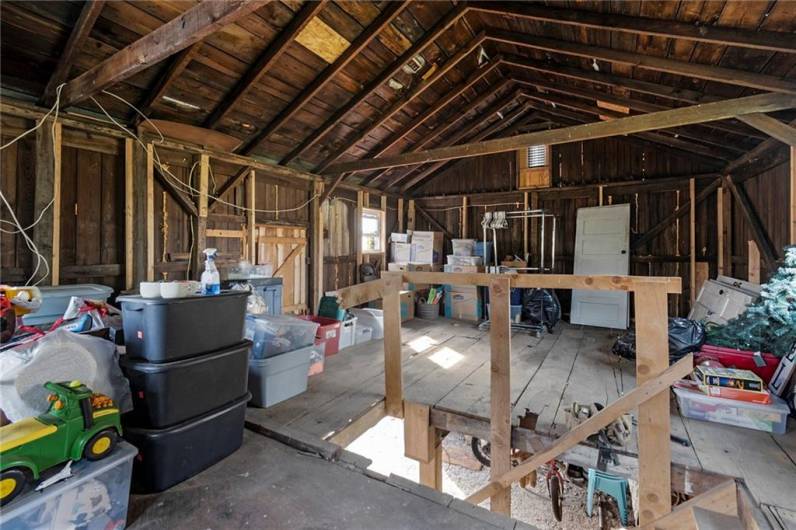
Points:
(275, 334)
(348, 332)
(372, 318)
(770, 418)
(55, 300)
(94, 498)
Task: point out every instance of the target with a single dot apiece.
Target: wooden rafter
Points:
(761, 40)
(267, 59)
(88, 16)
(630, 125)
(759, 152)
(772, 127)
(173, 36)
(427, 39)
(647, 62)
(379, 24)
(399, 104)
(177, 66)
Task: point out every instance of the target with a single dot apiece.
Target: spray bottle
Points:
(211, 281)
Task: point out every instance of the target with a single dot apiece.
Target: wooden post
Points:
(423, 443)
(792, 237)
(384, 232)
(720, 230)
(129, 208)
(317, 247)
(150, 213)
(431, 471)
(358, 232)
(535, 225)
(47, 233)
(410, 216)
(726, 207)
(391, 306)
(525, 227)
(464, 227)
(400, 214)
(654, 422)
(500, 389)
(599, 196)
(251, 217)
(692, 241)
(200, 221)
(753, 262)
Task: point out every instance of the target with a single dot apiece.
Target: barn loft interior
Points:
(398, 264)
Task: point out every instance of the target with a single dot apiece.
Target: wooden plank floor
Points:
(446, 363)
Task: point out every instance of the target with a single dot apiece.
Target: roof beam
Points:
(761, 150)
(761, 40)
(634, 124)
(772, 127)
(659, 64)
(767, 250)
(379, 24)
(267, 59)
(177, 34)
(428, 37)
(80, 32)
(399, 104)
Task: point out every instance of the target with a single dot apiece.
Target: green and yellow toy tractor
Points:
(78, 424)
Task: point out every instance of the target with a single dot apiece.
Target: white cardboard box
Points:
(401, 252)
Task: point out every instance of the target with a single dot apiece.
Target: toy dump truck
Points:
(78, 424)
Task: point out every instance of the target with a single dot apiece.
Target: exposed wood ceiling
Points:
(249, 77)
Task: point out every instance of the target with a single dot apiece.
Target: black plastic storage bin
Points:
(165, 394)
(167, 329)
(168, 456)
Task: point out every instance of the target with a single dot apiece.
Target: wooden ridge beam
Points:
(767, 250)
(177, 34)
(760, 40)
(427, 39)
(177, 66)
(267, 59)
(772, 127)
(640, 394)
(404, 100)
(379, 24)
(80, 32)
(630, 125)
(659, 64)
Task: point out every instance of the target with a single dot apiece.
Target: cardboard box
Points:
(427, 247)
(400, 252)
(411, 267)
(463, 247)
(463, 268)
(407, 305)
(463, 302)
(475, 261)
(397, 237)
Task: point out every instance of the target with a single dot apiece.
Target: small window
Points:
(537, 156)
(372, 230)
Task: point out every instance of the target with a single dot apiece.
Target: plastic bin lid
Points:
(138, 299)
(84, 290)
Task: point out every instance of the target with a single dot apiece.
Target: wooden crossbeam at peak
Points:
(379, 24)
(626, 403)
(761, 40)
(634, 124)
(267, 59)
(88, 16)
(177, 34)
(771, 126)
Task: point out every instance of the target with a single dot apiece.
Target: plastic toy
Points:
(78, 424)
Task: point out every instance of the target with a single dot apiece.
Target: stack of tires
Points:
(187, 364)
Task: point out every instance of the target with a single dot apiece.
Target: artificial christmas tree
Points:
(768, 325)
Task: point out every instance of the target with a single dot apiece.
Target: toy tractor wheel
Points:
(12, 482)
(100, 445)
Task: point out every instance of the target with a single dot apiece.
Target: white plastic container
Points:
(463, 247)
(278, 378)
(96, 495)
(56, 299)
(348, 331)
(372, 318)
(364, 334)
(771, 418)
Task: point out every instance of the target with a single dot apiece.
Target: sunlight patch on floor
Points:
(446, 358)
(421, 344)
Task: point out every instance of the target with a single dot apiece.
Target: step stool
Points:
(610, 485)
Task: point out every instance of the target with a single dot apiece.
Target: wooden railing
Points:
(653, 378)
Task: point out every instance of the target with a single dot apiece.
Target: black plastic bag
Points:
(685, 336)
(541, 307)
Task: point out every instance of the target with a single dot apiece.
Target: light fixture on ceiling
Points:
(483, 58)
(395, 85)
(595, 65)
(414, 65)
(180, 103)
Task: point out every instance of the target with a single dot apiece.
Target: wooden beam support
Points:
(750, 159)
(434, 223)
(47, 201)
(391, 306)
(753, 262)
(410, 215)
(692, 250)
(464, 219)
(182, 200)
(431, 471)
(177, 34)
(200, 221)
(759, 232)
(400, 214)
(630, 125)
(266, 60)
(129, 213)
(772, 127)
(427, 39)
(77, 38)
(150, 213)
(761, 40)
(792, 195)
(721, 234)
(721, 498)
(500, 390)
(316, 244)
(379, 24)
(358, 231)
(652, 387)
(251, 216)
(176, 67)
(228, 186)
(418, 432)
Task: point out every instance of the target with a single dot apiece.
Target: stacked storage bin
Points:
(187, 364)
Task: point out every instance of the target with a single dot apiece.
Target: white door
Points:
(602, 242)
